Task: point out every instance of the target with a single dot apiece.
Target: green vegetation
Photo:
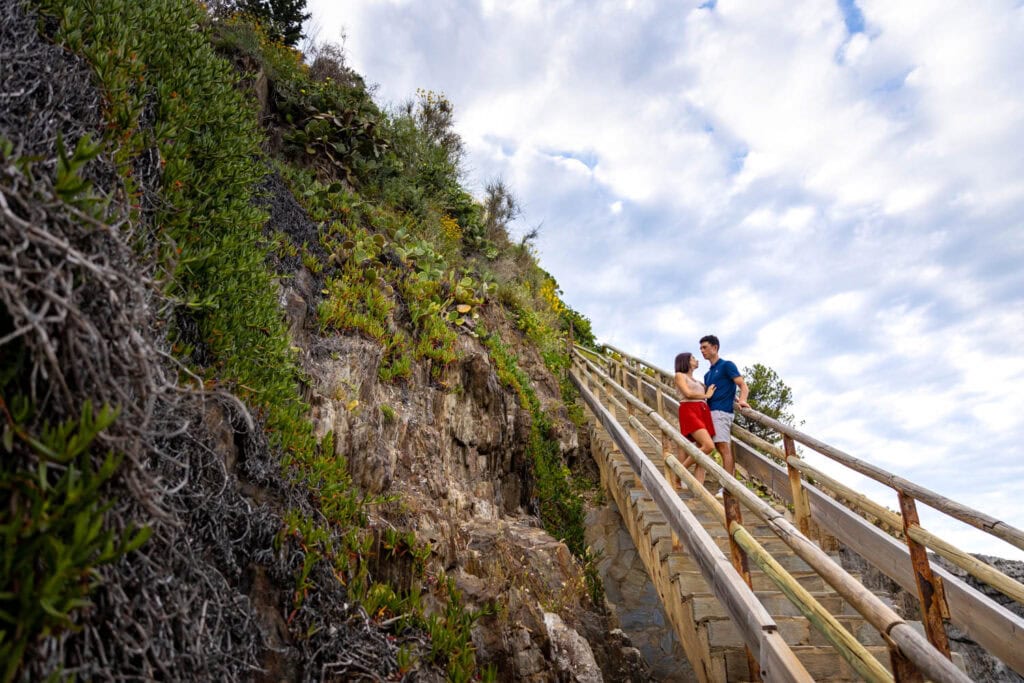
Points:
(54, 535)
(282, 19)
(561, 505)
(208, 141)
(769, 395)
(404, 255)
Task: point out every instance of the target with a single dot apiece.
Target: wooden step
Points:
(794, 630)
(683, 570)
(707, 605)
(822, 663)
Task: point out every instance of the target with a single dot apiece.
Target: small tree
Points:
(434, 114)
(282, 19)
(768, 395)
(501, 208)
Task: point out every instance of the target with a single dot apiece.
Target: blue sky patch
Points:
(891, 84)
(587, 158)
(506, 145)
(736, 160)
(852, 16)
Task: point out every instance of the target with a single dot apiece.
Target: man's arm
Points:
(744, 391)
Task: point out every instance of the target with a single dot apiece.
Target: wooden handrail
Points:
(664, 373)
(909, 642)
(991, 625)
(954, 509)
(980, 570)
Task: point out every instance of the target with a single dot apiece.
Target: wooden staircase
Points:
(709, 636)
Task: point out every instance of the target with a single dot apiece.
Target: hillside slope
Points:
(279, 399)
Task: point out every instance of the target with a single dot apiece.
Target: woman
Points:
(694, 415)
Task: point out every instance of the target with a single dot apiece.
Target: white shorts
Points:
(723, 425)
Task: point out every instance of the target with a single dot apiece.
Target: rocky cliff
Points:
(280, 401)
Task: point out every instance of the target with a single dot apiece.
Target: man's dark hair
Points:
(711, 339)
(683, 362)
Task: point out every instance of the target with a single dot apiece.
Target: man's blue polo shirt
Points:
(722, 374)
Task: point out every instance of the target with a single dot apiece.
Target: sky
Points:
(835, 188)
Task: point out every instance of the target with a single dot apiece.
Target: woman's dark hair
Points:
(683, 362)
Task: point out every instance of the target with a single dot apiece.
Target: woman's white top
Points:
(693, 385)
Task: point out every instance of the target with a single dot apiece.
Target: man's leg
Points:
(723, 436)
(727, 462)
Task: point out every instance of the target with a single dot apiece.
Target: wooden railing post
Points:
(739, 561)
(929, 586)
(633, 434)
(671, 477)
(801, 507)
(903, 670)
(593, 383)
(660, 400)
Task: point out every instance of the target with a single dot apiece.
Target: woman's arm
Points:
(688, 391)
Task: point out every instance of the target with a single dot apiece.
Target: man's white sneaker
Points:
(720, 493)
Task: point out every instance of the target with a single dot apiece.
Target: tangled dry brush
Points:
(82, 318)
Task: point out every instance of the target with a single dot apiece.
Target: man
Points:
(726, 377)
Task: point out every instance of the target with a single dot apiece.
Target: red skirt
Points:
(694, 415)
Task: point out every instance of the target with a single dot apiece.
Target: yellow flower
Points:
(450, 228)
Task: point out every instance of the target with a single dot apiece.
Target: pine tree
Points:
(283, 19)
(769, 395)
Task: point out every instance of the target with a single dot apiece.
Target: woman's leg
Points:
(702, 438)
(704, 442)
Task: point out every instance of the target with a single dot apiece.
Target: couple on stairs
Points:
(706, 409)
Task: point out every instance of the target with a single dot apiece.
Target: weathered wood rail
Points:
(630, 400)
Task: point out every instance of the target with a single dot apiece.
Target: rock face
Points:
(980, 665)
(452, 449)
(633, 598)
